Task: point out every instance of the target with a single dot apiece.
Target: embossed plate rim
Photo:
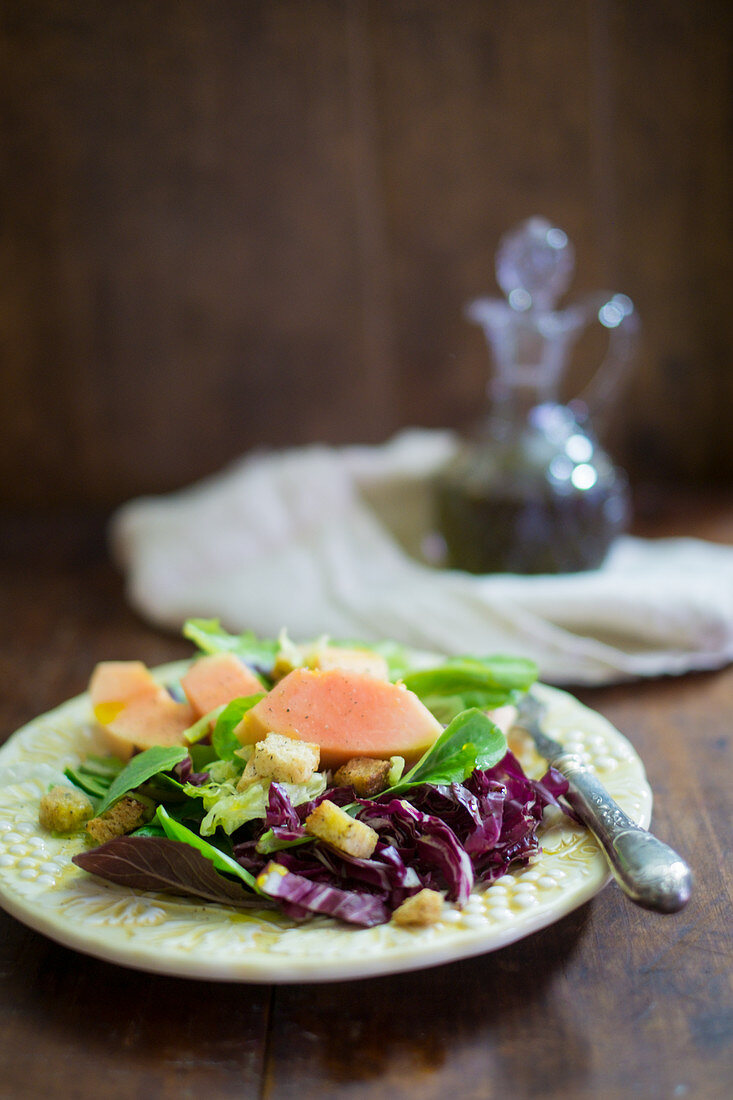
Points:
(161, 935)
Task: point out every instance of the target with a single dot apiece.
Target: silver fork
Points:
(650, 872)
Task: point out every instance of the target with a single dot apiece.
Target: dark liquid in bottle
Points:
(498, 529)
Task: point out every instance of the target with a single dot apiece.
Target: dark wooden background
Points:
(232, 224)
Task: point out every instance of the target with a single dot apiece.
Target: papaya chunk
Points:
(218, 679)
(144, 722)
(114, 683)
(346, 713)
(134, 711)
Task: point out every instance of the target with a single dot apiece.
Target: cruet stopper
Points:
(534, 491)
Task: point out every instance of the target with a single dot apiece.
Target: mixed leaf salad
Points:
(461, 815)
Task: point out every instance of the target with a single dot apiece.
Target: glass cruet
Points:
(533, 491)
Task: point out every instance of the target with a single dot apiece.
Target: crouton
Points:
(64, 809)
(281, 758)
(329, 823)
(368, 777)
(122, 818)
(420, 910)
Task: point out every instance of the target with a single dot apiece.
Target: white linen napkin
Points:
(327, 540)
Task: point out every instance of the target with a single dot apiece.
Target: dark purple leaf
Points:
(185, 773)
(434, 843)
(385, 873)
(316, 897)
(280, 811)
(165, 866)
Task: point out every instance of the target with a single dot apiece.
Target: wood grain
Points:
(609, 1002)
(228, 226)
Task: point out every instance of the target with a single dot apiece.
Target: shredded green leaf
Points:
(228, 808)
(200, 729)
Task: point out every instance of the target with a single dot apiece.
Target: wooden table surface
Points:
(610, 1002)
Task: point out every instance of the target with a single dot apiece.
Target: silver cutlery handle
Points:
(650, 872)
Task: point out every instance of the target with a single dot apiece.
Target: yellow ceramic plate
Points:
(41, 887)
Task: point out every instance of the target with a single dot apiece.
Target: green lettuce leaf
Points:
(140, 769)
(497, 675)
(462, 683)
(209, 636)
(202, 727)
(202, 756)
(396, 655)
(225, 741)
(174, 830)
(447, 707)
(94, 774)
(470, 741)
(228, 809)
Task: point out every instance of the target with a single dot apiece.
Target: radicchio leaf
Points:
(306, 897)
(433, 842)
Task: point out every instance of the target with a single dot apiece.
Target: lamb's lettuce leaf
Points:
(224, 739)
(456, 675)
(209, 637)
(463, 683)
(152, 762)
(94, 774)
(202, 756)
(470, 741)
